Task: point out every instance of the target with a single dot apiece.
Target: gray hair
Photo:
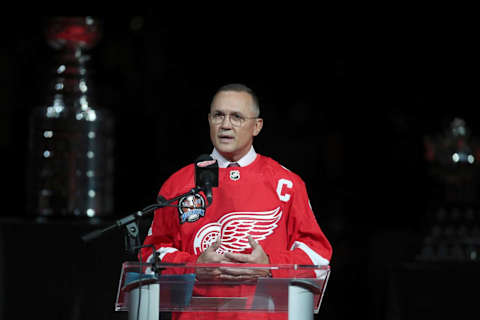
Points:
(238, 87)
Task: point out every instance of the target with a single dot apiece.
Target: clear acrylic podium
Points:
(294, 289)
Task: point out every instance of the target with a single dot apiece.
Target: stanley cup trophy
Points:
(71, 138)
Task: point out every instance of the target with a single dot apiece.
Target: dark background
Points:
(346, 105)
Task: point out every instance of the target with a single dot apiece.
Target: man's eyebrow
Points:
(223, 111)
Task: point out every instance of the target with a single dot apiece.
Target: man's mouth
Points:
(225, 138)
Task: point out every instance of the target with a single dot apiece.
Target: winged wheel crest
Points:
(234, 229)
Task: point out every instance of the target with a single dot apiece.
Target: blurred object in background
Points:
(71, 139)
(454, 162)
(453, 235)
(453, 223)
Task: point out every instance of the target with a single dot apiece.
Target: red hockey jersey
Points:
(268, 198)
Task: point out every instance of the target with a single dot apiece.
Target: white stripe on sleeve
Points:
(315, 257)
(162, 252)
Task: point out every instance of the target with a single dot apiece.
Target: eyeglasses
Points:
(236, 119)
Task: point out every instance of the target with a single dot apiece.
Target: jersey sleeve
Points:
(164, 232)
(307, 243)
(162, 235)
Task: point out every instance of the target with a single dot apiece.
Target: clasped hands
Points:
(257, 256)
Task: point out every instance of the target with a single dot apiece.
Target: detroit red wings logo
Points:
(234, 228)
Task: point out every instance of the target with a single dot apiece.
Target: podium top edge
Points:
(137, 264)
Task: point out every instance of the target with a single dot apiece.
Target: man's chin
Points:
(225, 147)
(225, 151)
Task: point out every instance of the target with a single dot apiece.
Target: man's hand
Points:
(210, 256)
(258, 256)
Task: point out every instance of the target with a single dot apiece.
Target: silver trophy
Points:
(71, 138)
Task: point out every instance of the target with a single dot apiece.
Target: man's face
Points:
(233, 142)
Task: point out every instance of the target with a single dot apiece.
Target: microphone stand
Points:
(132, 236)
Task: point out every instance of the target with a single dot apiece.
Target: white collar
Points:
(244, 161)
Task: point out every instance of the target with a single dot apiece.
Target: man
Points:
(268, 200)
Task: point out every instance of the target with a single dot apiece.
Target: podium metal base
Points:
(144, 302)
(300, 303)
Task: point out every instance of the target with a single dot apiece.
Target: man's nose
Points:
(226, 123)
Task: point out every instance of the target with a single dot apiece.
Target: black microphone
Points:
(206, 175)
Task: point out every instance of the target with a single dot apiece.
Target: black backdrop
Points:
(346, 106)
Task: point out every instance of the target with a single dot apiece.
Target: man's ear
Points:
(258, 126)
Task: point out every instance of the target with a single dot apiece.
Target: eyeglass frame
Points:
(222, 116)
